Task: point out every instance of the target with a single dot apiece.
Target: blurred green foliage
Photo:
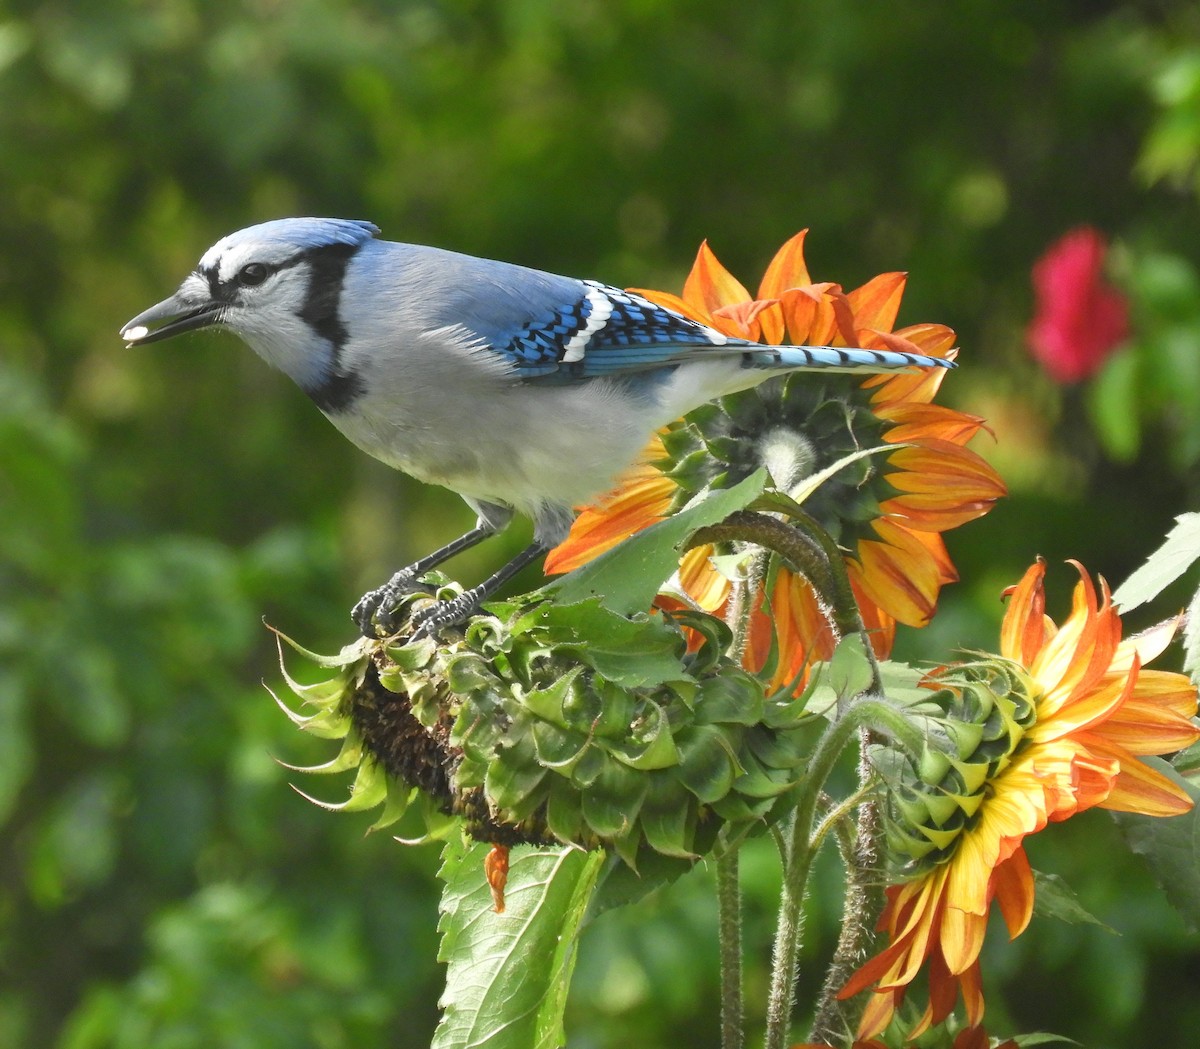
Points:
(159, 884)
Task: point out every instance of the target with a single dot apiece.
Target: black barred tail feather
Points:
(841, 358)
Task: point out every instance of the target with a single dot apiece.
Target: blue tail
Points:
(840, 358)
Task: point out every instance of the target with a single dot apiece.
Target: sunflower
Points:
(887, 510)
(1078, 711)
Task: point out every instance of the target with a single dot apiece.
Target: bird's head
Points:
(279, 280)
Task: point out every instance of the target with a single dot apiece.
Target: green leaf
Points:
(1055, 898)
(707, 762)
(653, 748)
(514, 774)
(730, 698)
(811, 483)
(1043, 1038)
(668, 821)
(612, 804)
(630, 650)
(1164, 566)
(850, 671)
(506, 986)
(627, 578)
(1171, 847)
(1191, 638)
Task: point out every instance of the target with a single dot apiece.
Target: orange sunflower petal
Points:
(786, 270)
(709, 285)
(1139, 788)
(898, 573)
(876, 303)
(1025, 628)
(808, 313)
(942, 485)
(703, 583)
(637, 505)
(915, 422)
(674, 302)
(1013, 886)
(741, 319)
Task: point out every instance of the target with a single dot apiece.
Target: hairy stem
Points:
(729, 896)
(729, 916)
(800, 851)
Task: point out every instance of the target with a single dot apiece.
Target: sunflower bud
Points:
(975, 717)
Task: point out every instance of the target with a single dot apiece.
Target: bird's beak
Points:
(170, 317)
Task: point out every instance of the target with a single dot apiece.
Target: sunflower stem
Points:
(863, 899)
(801, 847)
(729, 896)
(729, 916)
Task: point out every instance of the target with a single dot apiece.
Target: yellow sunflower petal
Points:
(703, 583)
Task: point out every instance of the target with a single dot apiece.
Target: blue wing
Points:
(604, 332)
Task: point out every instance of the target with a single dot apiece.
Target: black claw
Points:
(374, 611)
(447, 613)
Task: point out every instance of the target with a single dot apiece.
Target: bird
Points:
(523, 391)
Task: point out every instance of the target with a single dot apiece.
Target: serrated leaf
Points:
(626, 578)
(1055, 898)
(508, 976)
(1171, 847)
(1191, 639)
(1164, 566)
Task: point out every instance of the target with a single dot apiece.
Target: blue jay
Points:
(520, 390)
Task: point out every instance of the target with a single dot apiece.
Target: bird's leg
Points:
(376, 606)
(432, 619)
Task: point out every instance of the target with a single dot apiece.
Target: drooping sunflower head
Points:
(881, 468)
(794, 427)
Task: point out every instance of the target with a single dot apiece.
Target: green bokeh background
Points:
(160, 884)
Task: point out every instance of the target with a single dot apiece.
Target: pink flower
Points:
(1080, 318)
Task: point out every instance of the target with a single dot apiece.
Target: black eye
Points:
(252, 273)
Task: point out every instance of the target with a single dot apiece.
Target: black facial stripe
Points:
(320, 309)
(227, 290)
(321, 313)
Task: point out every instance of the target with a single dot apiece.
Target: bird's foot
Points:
(431, 619)
(375, 610)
